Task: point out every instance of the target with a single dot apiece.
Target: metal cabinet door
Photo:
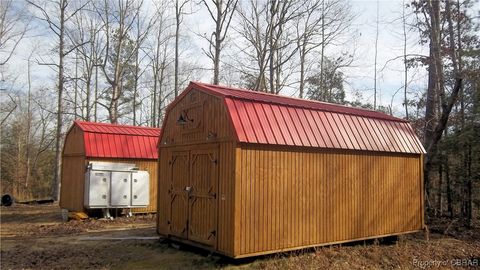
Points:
(120, 189)
(140, 188)
(97, 188)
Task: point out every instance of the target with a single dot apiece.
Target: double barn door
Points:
(193, 178)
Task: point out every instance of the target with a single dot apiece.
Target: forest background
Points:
(124, 61)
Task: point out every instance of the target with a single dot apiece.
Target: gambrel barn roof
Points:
(262, 118)
(103, 140)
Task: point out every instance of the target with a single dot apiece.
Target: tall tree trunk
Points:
(58, 133)
(375, 63)
(433, 91)
(272, 43)
(160, 90)
(153, 106)
(136, 73)
(439, 194)
(88, 89)
(95, 103)
(75, 97)
(135, 90)
(449, 188)
(218, 43)
(177, 33)
(405, 65)
(466, 149)
(322, 51)
(29, 123)
(469, 188)
(302, 70)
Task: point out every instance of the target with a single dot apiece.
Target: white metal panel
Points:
(111, 166)
(96, 189)
(120, 189)
(140, 188)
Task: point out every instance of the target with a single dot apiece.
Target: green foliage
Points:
(122, 60)
(327, 85)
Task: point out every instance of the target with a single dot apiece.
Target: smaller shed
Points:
(90, 141)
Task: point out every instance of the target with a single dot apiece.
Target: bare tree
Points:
(322, 24)
(267, 29)
(55, 14)
(159, 61)
(143, 26)
(86, 37)
(375, 61)
(436, 119)
(405, 62)
(308, 27)
(254, 30)
(180, 6)
(280, 14)
(118, 22)
(13, 28)
(221, 14)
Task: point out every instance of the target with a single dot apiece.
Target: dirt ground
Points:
(35, 237)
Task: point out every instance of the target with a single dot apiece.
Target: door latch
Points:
(188, 189)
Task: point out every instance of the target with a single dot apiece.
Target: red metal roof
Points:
(272, 119)
(103, 140)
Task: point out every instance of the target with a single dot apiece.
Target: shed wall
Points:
(74, 143)
(210, 126)
(290, 198)
(73, 170)
(207, 121)
(225, 193)
(73, 181)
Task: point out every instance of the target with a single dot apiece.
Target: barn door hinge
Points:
(212, 233)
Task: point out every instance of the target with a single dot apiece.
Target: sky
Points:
(390, 73)
(359, 76)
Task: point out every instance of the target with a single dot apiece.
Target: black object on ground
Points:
(7, 200)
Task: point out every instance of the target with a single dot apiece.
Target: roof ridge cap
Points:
(386, 117)
(79, 122)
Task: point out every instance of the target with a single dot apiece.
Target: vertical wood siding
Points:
(287, 199)
(73, 181)
(209, 114)
(74, 143)
(175, 137)
(73, 171)
(224, 199)
(273, 198)
(73, 174)
(226, 184)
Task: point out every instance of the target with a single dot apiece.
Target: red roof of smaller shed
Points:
(263, 118)
(103, 140)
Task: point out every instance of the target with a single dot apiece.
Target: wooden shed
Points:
(249, 173)
(90, 141)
